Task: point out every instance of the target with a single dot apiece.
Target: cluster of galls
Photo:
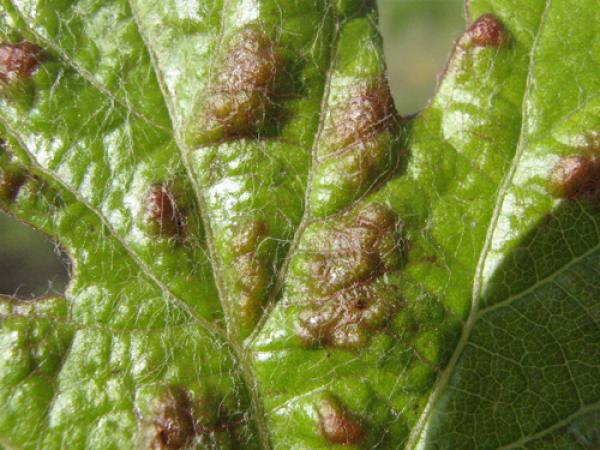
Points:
(240, 96)
(577, 177)
(252, 270)
(347, 297)
(357, 146)
(181, 422)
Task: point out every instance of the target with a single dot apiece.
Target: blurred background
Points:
(418, 36)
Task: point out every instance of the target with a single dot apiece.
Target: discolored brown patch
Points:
(337, 424)
(248, 236)
(184, 421)
(240, 98)
(18, 60)
(369, 110)
(488, 31)
(162, 212)
(346, 298)
(174, 425)
(576, 177)
(252, 269)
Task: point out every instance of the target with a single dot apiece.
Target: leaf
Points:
(265, 255)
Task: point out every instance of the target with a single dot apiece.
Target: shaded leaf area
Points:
(532, 358)
(94, 369)
(525, 377)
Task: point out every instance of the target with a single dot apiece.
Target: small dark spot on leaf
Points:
(18, 60)
(488, 31)
(337, 424)
(162, 212)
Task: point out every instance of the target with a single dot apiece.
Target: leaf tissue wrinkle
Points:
(266, 255)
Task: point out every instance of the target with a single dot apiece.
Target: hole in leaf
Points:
(31, 265)
(418, 37)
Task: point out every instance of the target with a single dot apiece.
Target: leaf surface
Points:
(266, 255)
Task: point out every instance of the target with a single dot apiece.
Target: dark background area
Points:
(418, 36)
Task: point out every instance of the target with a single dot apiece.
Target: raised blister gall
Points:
(248, 236)
(18, 60)
(252, 270)
(376, 216)
(487, 31)
(576, 177)
(240, 95)
(358, 147)
(347, 298)
(162, 213)
(337, 424)
(369, 109)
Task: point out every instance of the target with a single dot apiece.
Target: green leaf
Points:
(266, 255)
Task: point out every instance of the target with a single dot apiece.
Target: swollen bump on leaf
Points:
(487, 31)
(183, 420)
(369, 109)
(252, 270)
(358, 147)
(347, 298)
(248, 236)
(337, 424)
(162, 214)
(240, 98)
(18, 61)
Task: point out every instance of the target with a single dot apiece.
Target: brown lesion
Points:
(347, 298)
(487, 31)
(337, 424)
(163, 214)
(252, 270)
(242, 93)
(174, 424)
(367, 111)
(577, 176)
(19, 61)
(181, 420)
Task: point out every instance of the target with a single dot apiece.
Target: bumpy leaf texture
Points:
(265, 255)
